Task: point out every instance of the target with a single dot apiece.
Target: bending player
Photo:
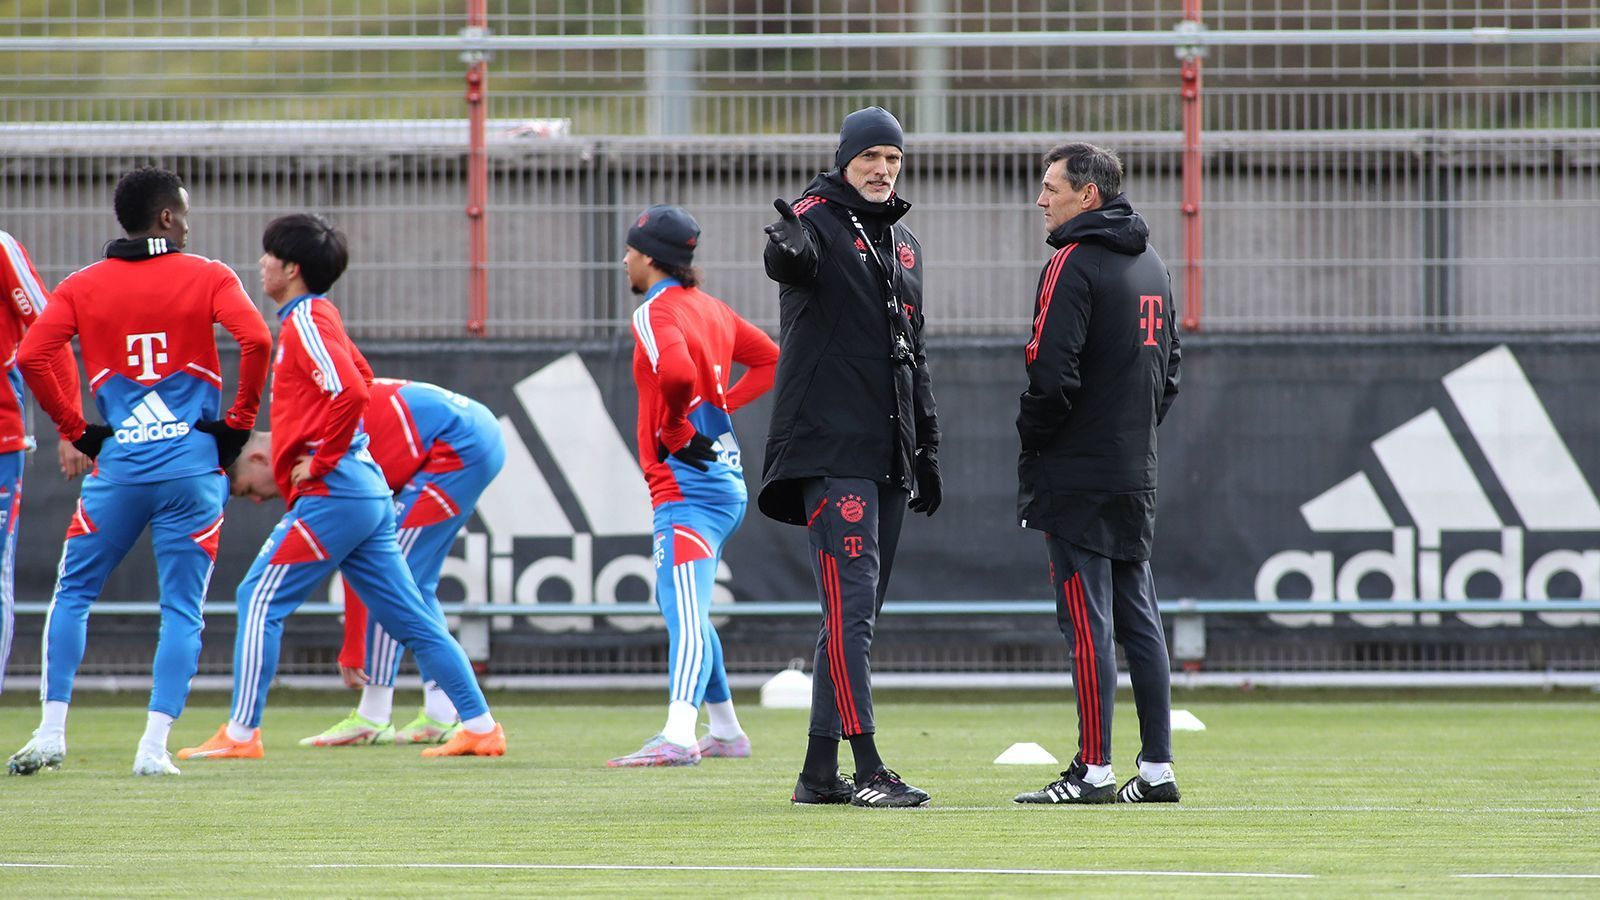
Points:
(438, 451)
(340, 515)
(687, 343)
(144, 318)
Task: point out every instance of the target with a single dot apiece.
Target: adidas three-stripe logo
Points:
(1063, 790)
(871, 795)
(151, 420)
(1429, 466)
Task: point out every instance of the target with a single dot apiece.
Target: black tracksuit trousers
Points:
(854, 526)
(1101, 602)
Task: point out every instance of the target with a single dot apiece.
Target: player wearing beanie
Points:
(686, 344)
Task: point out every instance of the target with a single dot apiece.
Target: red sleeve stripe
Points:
(17, 258)
(805, 203)
(1047, 288)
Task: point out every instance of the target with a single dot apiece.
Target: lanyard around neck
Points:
(872, 248)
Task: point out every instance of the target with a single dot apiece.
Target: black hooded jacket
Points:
(853, 395)
(1102, 372)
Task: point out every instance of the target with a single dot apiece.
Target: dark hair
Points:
(142, 194)
(309, 242)
(688, 276)
(1087, 163)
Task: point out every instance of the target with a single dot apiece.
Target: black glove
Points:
(230, 440)
(695, 454)
(787, 233)
(930, 489)
(93, 436)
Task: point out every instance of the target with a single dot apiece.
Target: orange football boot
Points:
(220, 746)
(467, 743)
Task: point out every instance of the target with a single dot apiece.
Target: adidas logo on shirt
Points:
(152, 420)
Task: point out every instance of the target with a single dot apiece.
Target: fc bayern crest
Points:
(852, 508)
(908, 257)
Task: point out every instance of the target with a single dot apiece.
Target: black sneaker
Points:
(837, 791)
(1137, 790)
(885, 790)
(1072, 787)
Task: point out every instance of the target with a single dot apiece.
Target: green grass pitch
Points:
(1366, 794)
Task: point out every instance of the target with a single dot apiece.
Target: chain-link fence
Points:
(1366, 167)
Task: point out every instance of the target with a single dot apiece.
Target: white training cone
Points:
(1026, 754)
(1183, 720)
(789, 689)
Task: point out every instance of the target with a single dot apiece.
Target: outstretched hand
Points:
(787, 232)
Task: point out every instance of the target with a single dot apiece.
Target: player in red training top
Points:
(144, 317)
(439, 451)
(687, 342)
(26, 298)
(341, 514)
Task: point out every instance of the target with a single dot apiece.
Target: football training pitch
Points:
(1287, 794)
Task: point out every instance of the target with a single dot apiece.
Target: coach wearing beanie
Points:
(854, 437)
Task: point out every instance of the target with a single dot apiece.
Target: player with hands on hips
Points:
(686, 343)
(340, 507)
(145, 320)
(439, 451)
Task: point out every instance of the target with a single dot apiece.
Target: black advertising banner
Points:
(1405, 467)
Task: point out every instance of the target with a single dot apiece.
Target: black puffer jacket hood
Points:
(1114, 225)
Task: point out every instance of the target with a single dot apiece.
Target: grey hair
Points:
(1087, 163)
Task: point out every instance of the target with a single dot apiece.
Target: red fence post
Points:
(1193, 174)
(477, 177)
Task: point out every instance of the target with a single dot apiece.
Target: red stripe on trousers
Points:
(843, 695)
(844, 664)
(1094, 677)
(1079, 679)
(1088, 664)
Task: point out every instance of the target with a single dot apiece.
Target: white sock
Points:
(156, 727)
(239, 733)
(436, 705)
(1098, 774)
(681, 719)
(53, 723)
(377, 704)
(724, 723)
(481, 724)
(1155, 773)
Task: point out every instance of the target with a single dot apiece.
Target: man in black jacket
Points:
(854, 436)
(1102, 372)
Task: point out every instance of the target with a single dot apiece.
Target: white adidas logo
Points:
(152, 420)
(1441, 494)
(520, 509)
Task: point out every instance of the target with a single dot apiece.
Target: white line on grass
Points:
(1453, 810)
(1527, 875)
(852, 870)
(6, 865)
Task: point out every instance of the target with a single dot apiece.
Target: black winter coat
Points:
(853, 396)
(1102, 373)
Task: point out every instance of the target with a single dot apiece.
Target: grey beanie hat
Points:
(666, 234)
(865, 128)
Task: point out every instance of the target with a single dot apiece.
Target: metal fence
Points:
(1366, 167)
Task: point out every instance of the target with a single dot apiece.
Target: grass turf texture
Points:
(1369, 793)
